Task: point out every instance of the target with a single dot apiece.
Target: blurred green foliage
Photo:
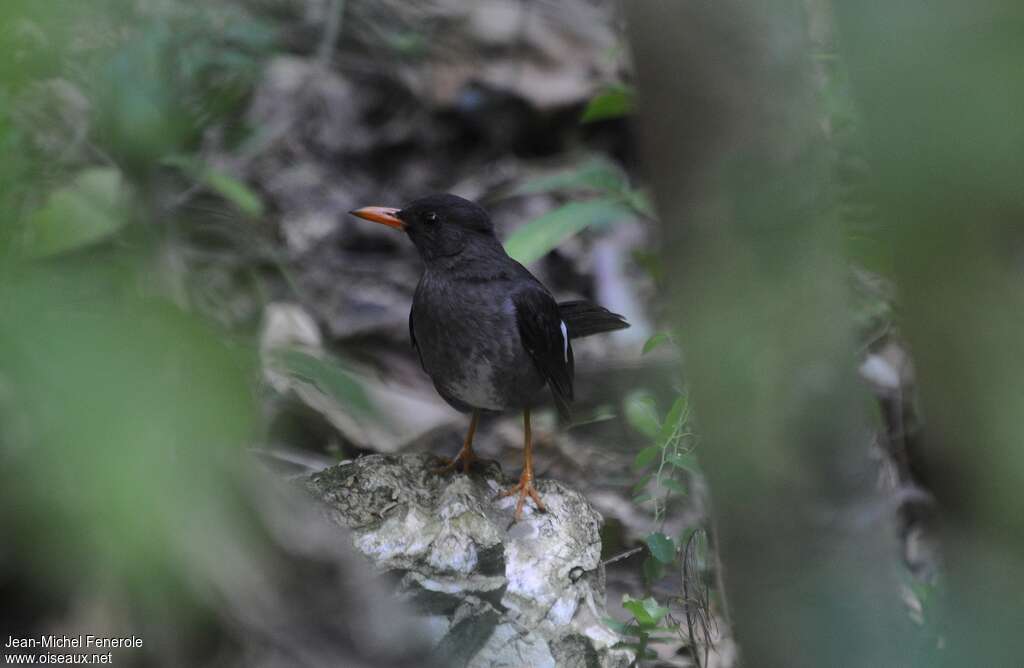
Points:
(614, 101)
(542, 235)
(232, 190)
(177, 75)
(95, 97)
(595, 173)
(123, 413)
(657, 340)
(123, 417)
(92, 207)
(109, 105)
(609, 198)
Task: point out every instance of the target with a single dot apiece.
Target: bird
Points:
(488, 333)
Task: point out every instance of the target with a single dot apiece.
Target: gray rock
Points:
(495, 593)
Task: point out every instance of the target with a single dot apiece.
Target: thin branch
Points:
(330, 38)
(622, 555)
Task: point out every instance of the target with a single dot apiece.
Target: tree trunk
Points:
(730, 134)
(942, 92)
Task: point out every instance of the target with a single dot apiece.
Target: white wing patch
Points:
(565, 342)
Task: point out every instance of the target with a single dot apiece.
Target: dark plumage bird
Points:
(487, 332)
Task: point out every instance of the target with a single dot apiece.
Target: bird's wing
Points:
(415, 346)
(546, 339)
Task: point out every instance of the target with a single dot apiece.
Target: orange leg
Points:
(466, 454)
(525, 487)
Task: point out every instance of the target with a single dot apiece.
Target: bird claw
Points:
(524, 489)
(466, 457)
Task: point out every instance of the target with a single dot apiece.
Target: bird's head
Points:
(439, 225)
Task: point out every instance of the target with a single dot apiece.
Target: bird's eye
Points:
(430, 217)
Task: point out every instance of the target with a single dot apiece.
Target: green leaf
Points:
(661, 546)
(597, 174)
(655, 341)
(231, 189)
(91, 208)
(616, 625)
(653, 570)
(406, 43)
(646, 456)
(613, 102)
(234, 191)
(684, 460)
(641, 415)
(635, 607)
(640, 202)
(137, 109)
(674, 486)
(672, 420)
(624, 629)
(654, 611)
(646, 612)
(327, 373)
(542, 235)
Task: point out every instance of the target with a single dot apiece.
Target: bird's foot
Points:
(466, 457)
(524, 489)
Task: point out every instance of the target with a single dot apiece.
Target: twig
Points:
(330, 38)
(686, 602)
(622, 555)
(723, 598)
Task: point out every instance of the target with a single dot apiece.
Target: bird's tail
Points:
(583, 318)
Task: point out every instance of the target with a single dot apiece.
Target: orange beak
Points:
(380, 214)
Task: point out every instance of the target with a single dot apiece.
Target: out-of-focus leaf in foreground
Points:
(89, 209)
(126, 411)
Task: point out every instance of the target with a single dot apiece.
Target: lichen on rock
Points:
(496, 593)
